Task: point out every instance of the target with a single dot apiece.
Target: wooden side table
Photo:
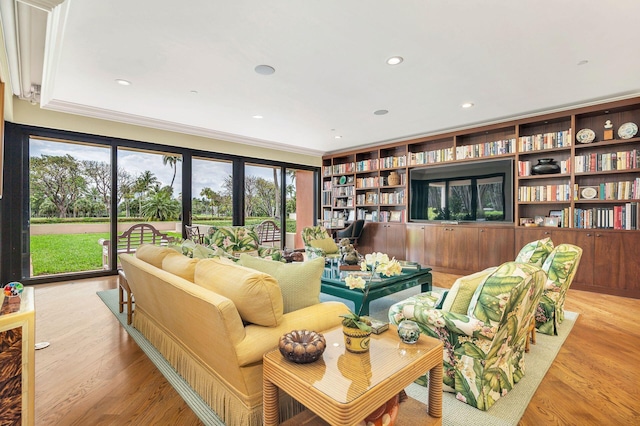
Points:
(17, 359)
(343, 388)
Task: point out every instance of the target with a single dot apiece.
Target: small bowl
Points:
(302, 346)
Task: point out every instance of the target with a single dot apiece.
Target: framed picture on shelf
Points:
(539, 220)
(396, 216)
(555, 213)
(588, 192)
(552, 221)
(524, 221)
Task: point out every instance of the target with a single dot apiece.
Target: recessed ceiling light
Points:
(381, 112)
(395, 60)
(338, 137)
(583, 62)
(265, 69)
(194, 92)
(123, 82)
(258, 116)
(467, 105)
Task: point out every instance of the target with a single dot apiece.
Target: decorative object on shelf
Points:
(302, 346)
(552, 221)
(356, 328)
(526, 221)
(13, 289)
(343, 180)
(538, 220)
(608, 130)
(627, 130)
(545, 166)
(394, 178)
(588, 192)
(409, 331)
(586, 136)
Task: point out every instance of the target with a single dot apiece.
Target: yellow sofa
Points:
(213, 320)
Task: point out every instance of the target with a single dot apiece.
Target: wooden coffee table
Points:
(343, 388)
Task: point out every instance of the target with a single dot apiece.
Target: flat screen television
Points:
(464, 192)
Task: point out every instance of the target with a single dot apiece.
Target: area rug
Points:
(506, 411)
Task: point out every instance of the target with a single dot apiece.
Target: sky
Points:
(205, 172)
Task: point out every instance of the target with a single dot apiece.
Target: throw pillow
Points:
(299, 281)
(180, 265)
(153, 254)
(256, 295)
(327, 245)
(535, 252)
(462, 291)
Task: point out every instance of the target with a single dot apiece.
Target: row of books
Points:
(486, 149)
(344, 191)
(369, 182)
(392, 197)
(367, 165)
(616, 217)
(381, 216)
(524, 167)
(343, 202)
(542, 141)
(392, 161)
(343, 168)
(620, 160)
(428, 157)
(561, 192)
(623, 190)
(326, 198)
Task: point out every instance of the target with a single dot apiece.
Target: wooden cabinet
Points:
(387, 238)
(495, 246)
(609, 262)
(17, 359)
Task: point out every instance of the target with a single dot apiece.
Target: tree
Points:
(99, 174)
(59, 179)
(160, 206)
(212, 197)
(143, 184)
(173, 161)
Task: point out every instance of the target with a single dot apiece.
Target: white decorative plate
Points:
(589, 193)
(585, 136)
(628, 130)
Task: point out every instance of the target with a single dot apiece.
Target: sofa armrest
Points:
(259, 340)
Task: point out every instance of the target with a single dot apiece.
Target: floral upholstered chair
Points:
(318, 243)
(232, 241)
(560, 266)
(483, 323)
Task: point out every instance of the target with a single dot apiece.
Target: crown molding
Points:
(77, 109)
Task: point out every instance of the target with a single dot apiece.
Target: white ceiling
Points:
(509, 58)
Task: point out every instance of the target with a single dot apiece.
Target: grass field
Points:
(65, 253)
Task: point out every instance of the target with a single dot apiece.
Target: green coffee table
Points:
(332, 284)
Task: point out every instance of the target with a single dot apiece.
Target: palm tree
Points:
(142, 185)
(173, 161)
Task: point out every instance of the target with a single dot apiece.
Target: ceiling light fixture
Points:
(258, 116)
(265, 69)
(467, 105)
(395, 60)
(338, 137)
(583, 62)
(122, 82)
(381, 112)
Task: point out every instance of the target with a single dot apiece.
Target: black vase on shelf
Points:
(545, 166)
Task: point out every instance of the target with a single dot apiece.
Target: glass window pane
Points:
(490, 198)
(212, 193)
(460, 198)
(437, 201)
(261, 194)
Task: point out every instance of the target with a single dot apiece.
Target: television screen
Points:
(473, 191)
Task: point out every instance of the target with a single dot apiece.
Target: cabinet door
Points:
(584, 240)
(395, 240)
(430, 253)
(527, 235)
(495, 246)
(462, 248)
(368, 238)
(415, 243)
(615, 264)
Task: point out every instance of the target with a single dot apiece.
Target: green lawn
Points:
(65, 253)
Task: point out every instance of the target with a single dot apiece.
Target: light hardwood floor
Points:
(94, 373)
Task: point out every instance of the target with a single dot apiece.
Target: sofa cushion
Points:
(256, 295)
(299, 281)
(152, 254)
(325, 244)
(535, 252)
(180, 265)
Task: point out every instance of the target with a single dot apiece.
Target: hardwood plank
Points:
(94, 373)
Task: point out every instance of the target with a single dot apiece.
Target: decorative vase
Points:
(394, 178)
(409, 331)
(356, 340)
(545, 166)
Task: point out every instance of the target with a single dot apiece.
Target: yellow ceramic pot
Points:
(356, 340)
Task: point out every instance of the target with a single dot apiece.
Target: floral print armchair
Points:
(318, 242)
(483, 355)
(232, 241)
(560, 266)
